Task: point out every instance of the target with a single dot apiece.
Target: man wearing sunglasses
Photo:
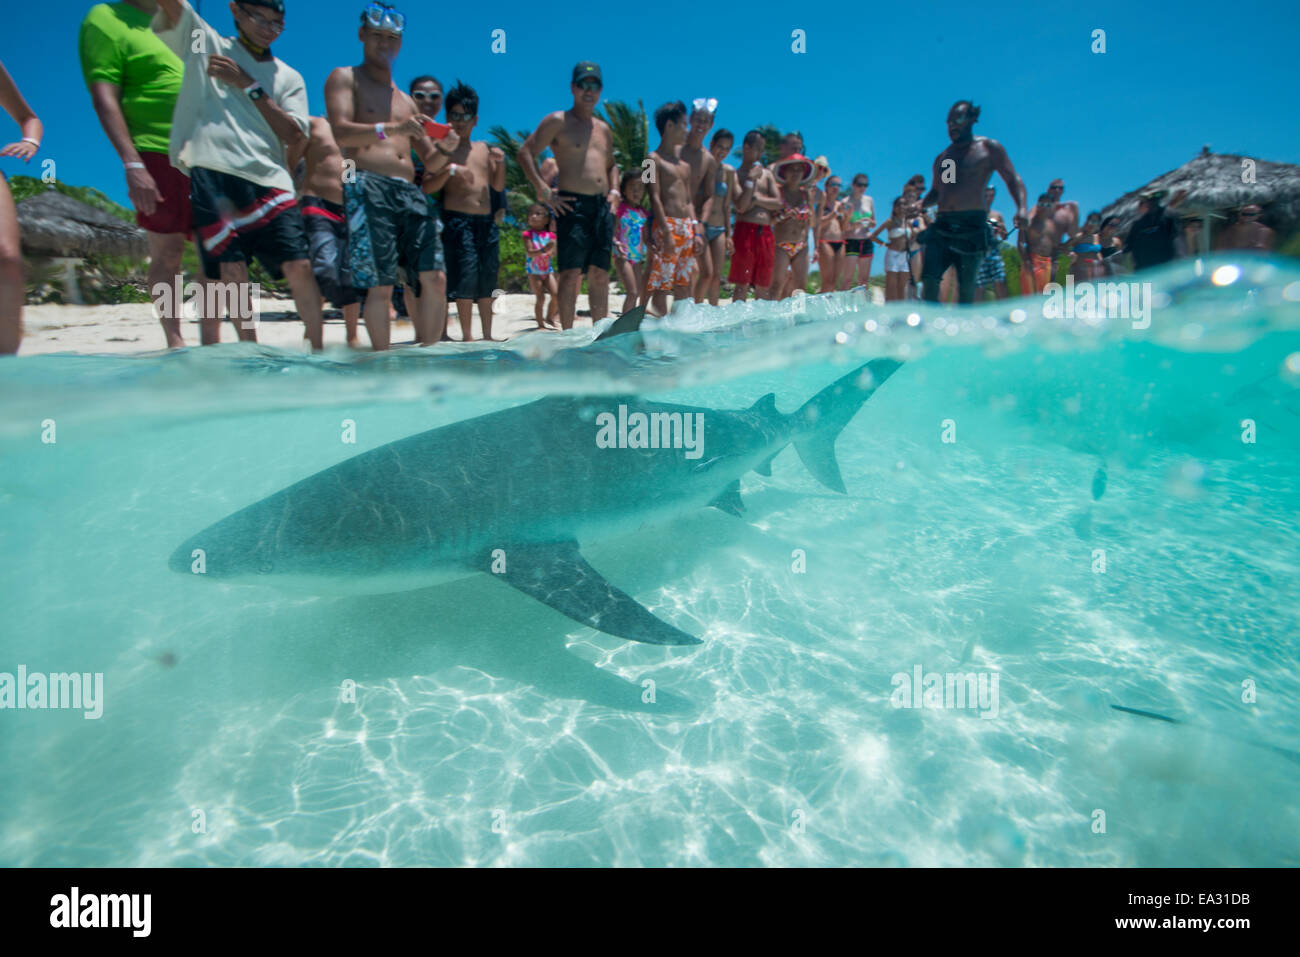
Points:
(1065, 213)
(1248, 232)
(587, 194)
(391, 227)
(238, 110)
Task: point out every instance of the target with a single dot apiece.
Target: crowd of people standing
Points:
(219, 148)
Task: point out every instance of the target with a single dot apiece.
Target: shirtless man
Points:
(704, 178)
(587, 194)
(755, 246)
(470, 238)
(391, 226)
(672, 258)
(1247, 232)
(959, 235)
(320, 194)
(1042, 242)
(1066, 213)
(717, 226)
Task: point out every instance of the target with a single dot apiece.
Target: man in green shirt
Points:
(134, 80)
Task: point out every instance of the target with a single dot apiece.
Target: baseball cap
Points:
(587, 68)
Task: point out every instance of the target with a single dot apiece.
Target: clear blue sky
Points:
(871, 92)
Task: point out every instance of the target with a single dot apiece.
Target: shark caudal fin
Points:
(630, 321)
(824, 416)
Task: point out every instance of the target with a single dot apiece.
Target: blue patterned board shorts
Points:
(391, 228)
(992, 269)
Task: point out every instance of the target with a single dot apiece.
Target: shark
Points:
(516, 493)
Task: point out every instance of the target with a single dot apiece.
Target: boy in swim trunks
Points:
(587, 192)
(704, 176)
(320, 196)
(391, 227)
(238, 109)
(470, 239)
(672, 260)
(755, 247)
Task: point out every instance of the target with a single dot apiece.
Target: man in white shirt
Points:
(239, 108)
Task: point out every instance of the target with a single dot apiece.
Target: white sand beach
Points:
(131, 328)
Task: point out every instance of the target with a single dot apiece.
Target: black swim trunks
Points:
(585, 234)
(958, 239)
(237, 220)
(391, 227)
(327, 236)
(473, 250)
(859, 247)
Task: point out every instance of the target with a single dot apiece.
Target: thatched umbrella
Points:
(1215, 191)
(56, 226)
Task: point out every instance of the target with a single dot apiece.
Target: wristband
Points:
(379, 131)
(749, 184)
(28, 139)
(134, 166)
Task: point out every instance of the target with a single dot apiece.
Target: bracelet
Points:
(379, 131)
(134, 166)
(28, 139)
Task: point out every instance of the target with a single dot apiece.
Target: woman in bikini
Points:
(897, 272)
(858, 247)
(790, 225)
(717, 230)
(1085, 251)
(829, 232)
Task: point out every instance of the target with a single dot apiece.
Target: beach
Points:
(130, 328)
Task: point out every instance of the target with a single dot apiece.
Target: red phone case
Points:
(437, 130)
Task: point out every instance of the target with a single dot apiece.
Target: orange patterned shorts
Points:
(676, 265)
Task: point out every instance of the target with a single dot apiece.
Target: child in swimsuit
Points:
(539, 249)
(630, 228)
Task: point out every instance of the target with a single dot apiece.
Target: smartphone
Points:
(437, 130)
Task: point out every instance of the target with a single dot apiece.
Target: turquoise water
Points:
(488, 729)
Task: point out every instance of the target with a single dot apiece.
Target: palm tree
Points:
(630, 131)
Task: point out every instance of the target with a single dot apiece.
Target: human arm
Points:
(1015, 185)
(288, 126)
(23, 115)
(497, 167)
(541, 139)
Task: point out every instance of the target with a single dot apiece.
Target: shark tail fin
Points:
(825, 415)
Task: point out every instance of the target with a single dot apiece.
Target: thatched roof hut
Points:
(58, 226)
(1215, 191)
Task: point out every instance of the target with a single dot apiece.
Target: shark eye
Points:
(266, 567)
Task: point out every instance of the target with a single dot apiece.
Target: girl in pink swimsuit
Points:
(539, 248)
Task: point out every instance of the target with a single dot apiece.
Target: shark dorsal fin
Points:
(630, 321)
(729, 501)
(766, 405)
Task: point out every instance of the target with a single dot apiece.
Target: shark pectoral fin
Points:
(729, 501)
(556, 574)
(765, 467)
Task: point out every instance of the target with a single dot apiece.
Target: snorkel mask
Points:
(379, 16)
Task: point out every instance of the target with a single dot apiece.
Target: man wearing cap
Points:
(392, 229)
(134, 80)
(587, 193)
(238, 109)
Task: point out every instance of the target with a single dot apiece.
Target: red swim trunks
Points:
(751, 263)
(173, 213)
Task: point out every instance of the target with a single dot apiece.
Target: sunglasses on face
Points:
(589, 83)
(272, 26)
(460, 117)
(427, 96)
(1249, 215)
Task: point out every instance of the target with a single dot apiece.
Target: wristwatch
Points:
(255, 92)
